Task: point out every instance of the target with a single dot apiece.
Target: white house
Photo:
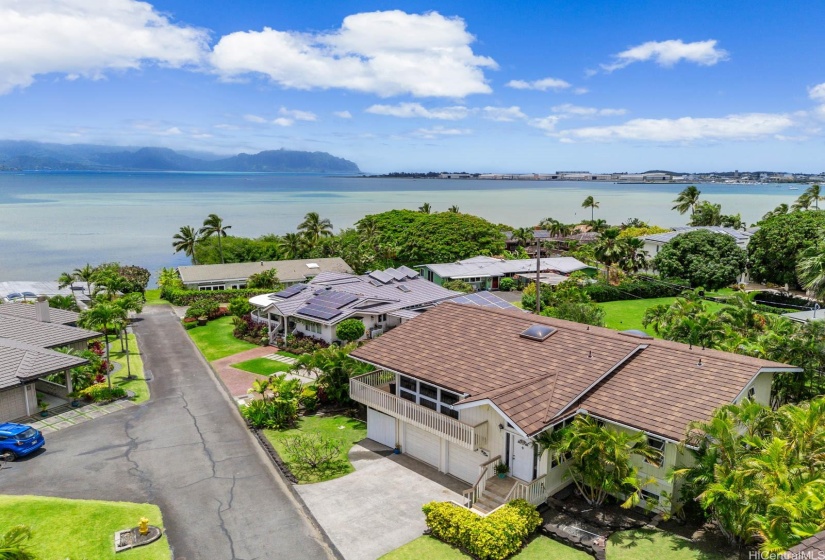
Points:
(462, 388)
(235, 275)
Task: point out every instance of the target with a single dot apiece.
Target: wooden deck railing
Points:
(365, 389)
(472, 495)
(533, 492)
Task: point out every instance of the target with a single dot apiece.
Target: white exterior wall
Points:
(762, 389)
(495, 437)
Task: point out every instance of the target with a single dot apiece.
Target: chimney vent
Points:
(41, 309)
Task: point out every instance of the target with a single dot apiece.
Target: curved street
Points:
(185, 450)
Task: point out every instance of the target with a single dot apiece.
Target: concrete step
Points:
(486, 505)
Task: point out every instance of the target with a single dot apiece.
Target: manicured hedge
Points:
(186, 297)
(635, 289)
(494, 537)
(767, 298)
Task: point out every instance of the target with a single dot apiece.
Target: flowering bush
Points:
(300, 344)
(250, 330)
(100, 392)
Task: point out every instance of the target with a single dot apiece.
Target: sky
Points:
(478, 86)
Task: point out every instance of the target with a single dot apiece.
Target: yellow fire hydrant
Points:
(143, 526)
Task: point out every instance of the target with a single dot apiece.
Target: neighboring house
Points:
(381, 299)
(26, 355)
(462, 388)
(28, 291)
(484, 273)
(29, 311)
(654, 242)
(549, 242)
(235, 275)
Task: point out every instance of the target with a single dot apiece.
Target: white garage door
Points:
(381, 428)
(12, 404)
(422, 445)
(464, 463)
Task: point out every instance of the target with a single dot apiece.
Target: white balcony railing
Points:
(534, 492)
(372, 389)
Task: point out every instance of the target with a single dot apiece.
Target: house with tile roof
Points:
(382, 300)
(236, 275)
(27, 356)
(462, 388)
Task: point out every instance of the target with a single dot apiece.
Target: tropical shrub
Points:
(277, 406)
(101, 392)
(312, 452)
(266, 280)
(703, 258)
(309, 398)
(458, 286)
(637, 287)
(240, 306)
(495, 537)
(204, 308)
(299, 343)
(334, 367)
(350, 330)
(189, 323)
(773, 250)
(177, 296)
(587, 313)
(506, 284)
(246, 328)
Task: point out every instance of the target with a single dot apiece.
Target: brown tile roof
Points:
(812, 547)
(655, 385)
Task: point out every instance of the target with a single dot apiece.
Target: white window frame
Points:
(657, 447)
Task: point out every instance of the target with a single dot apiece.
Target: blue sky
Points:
(477, 86)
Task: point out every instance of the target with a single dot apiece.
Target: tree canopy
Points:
(773, 251)
(703, 258)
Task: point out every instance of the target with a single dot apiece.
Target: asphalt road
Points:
(187, 451)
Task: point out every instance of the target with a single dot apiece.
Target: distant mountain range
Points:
(22, 155)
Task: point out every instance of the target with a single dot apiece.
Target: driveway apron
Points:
(185, 450)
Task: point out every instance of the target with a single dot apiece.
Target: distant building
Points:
(485, 273)
(235, 275)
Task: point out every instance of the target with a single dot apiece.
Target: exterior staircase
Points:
(495, 494)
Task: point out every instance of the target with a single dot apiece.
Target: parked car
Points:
(18, 440)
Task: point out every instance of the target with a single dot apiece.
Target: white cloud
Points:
(503, 114)
(817, 93)
(172, 131)
(254, 119)
(283, 121)
(668, 53)
(343, 114)
(580, 90)
(87, 38)
(542, 85)
(411, 110)
(297, 115)
(437, 131)
(547, 124)
(385, 53)
(570, 110)
(749, 126)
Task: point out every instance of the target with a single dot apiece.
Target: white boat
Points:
(793, 188)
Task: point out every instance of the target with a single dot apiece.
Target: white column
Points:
(68, 374)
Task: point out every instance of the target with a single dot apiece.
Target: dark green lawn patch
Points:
(215, 339)
(347, 431)
(262, 366)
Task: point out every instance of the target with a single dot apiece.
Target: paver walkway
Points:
(238, 381)
(283, 359)
(65, 415)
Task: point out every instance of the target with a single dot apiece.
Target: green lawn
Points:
(138, 386)
(80, 529)
(628, 314)
(262, 366)
(153, 297)
(215, 339)
(348, 431)
(540, 548)
(645, 543)
(287, 354)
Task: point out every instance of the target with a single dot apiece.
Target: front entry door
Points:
(519, 457)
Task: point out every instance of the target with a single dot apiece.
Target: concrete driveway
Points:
(377, 508)
(186, 450)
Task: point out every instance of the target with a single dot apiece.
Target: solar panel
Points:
(376, 283)
(396, 274)
(403, 288)
(335, 300)
(319, 312)
(410, 273)
(381, 276)
(291, 291)
(483, 299)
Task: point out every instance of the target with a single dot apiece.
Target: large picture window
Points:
(429, 396)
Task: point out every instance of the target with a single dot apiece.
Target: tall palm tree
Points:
(425, 208)
(687, 200)
(66, 280)
(292, 245)
(810, 269)
(85, 274)
(313, 228)
(591, 203)
(213, 225)
(186, 240)
(523, 235)
(804, 202)
(107, 317)
(815, 195)
(453, 209)
(609, 250)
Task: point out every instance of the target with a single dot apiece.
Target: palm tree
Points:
(186, 240)
(687, 200)
(810, 269)
(63, 302)
(803, 202)
(105, 316)
(635, 258)
(213, 225)
(814, 194)
(453, 209)
(292, 245)
(66, 280)
(591, 203)
(608, 250)
(598, 226)
(313, 228)
(85, 274)
(523, 236)
(425, 208)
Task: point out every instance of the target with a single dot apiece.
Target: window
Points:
(448, 397)
(432, 405)
(309, 326)
(658, 446)
(408, 383)
(428, 391)
(650, 497)
(752, 393)
(407, 395)
(445, 409)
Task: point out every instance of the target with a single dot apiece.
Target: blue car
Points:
(17, 440)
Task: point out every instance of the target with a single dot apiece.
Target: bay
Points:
(55, 222)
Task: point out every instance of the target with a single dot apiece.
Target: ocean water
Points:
(55, 222)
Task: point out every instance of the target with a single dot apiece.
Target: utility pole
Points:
(538, 276)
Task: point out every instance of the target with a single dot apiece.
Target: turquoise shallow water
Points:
(51, 222)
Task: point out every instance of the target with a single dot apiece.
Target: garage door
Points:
(12, 404)
(464, 463)
(381, 428)
(422, 445)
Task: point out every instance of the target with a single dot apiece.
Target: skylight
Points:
(636, 334)
(538, 332)
(313, 265)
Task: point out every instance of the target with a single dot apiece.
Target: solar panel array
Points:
(319, 312)
(335, 300)
(410, 273)
(483, 299)
(291, 291)
(396, 274)
(403, 288)
(381, 276)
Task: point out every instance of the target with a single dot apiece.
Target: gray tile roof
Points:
(374, 298)
(26, 311)
(491, 266)
(44, 335)
(741, 237)
(20, 362)
(288, 271)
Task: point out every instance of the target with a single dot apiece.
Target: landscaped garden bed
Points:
(430, 548)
